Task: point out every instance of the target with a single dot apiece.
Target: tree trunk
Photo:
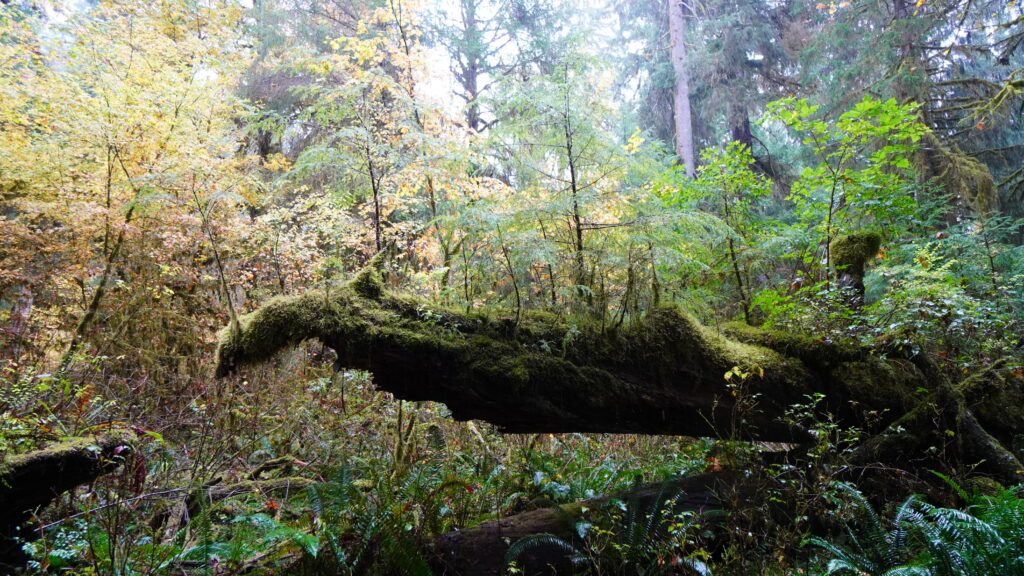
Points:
(681, 103)
(470, 63)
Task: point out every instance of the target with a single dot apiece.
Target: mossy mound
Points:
(853, 251)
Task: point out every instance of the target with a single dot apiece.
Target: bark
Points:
(681, 95)
(29, 482)
(470, 62)
(661, 374)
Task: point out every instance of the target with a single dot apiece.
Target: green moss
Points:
(875, 384)
(996, 397)
(680, 341)
(983, 486)
(368, 283)
(967, 179)
(853, 251)
(672, 350)
(61, 450)
(286, 321)
(811, 350)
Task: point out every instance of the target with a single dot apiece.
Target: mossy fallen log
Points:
(663, 373)
(29, 482)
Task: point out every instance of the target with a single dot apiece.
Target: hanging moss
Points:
(968, 180)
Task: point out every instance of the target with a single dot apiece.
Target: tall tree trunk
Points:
(681, 100)
(469, 68)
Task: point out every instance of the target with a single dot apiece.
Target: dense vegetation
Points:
(732, 286)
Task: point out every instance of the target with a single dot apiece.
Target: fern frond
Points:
(542, 542)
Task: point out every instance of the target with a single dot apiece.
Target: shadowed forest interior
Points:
(488, 287)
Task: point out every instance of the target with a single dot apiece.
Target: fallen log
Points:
(663, 373)
(29, 482)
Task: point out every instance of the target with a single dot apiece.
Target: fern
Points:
(547, 545)
(987, 539)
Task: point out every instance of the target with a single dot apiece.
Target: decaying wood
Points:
(663, 374)
(29, 482)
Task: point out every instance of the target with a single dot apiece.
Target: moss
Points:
(996, 397)
(983, 486)
(811, 350)
(876, 385)
(62, 450)
(286, 321)
(853, 251)
(677, 343)
(368, 283)
(961, 176)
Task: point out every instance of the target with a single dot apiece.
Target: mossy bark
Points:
(29, 482)
(662, 374)
(850, 254)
